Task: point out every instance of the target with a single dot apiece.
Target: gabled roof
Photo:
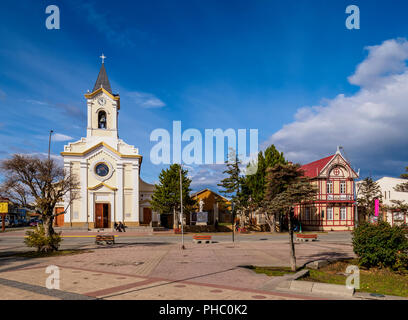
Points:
(101, 144)
(313, 169)
(206, 189)
(102, 81)
(100, 185)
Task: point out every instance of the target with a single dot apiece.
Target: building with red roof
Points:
(334, 206)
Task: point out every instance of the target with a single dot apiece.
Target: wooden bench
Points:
(202, 239)
(105, 239)
(306, 237)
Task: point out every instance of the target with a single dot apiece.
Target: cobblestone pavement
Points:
(161, 271)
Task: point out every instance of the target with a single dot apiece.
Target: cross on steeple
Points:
(103, 58)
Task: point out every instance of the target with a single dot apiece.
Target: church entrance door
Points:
(147, 215)
(102, 215)
(59, 220)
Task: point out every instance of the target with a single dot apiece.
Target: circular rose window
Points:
(102, 169)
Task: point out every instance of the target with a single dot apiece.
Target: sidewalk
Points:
(161, 271)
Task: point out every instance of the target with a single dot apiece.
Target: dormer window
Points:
(102, 120)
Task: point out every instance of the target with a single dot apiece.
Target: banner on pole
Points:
(377, 207)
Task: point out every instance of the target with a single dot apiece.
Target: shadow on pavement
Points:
(167, 283)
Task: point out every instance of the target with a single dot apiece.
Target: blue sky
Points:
(283, 67)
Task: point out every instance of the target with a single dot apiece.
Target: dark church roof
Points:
(102, 80)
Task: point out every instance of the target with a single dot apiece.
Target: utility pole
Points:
(233, 221)
(181, 209)
(49, 145)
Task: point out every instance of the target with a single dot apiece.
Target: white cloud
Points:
(371, 124)
(42, 155)
(383, 61)
(206, 176)
(37, 102)
(146, 100)
(61, 137)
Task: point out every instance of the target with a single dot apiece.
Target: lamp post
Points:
(181, 209)
(233, 221)
(49, 145)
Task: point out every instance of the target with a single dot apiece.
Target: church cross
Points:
(103, 58)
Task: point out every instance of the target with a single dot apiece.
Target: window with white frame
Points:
(330, 213)
(343, 187)
(329, 187)
(343, 213)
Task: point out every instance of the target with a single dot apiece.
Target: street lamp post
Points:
(49, 145)
(233, 221)
(181, 209)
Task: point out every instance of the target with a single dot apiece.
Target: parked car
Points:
(34, 222)
(6, 222)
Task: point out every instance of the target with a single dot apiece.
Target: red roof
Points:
(313, 169)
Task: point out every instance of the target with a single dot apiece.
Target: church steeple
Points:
(102, 81)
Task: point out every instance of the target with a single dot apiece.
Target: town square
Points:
(174, 155)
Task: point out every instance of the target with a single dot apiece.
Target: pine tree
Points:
(256, 183)
(166, 195)
(232, 185)
(368, 191)
(404, 175)
(287, 187)
(403, 187)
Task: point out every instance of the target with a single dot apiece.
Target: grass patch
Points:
(382, 281)
(272, 271)
(35, 254)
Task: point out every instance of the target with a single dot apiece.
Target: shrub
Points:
(36, 238)
(380, 245)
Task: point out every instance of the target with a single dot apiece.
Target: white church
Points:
(108, 169)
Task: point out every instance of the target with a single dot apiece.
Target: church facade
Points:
(107, 168)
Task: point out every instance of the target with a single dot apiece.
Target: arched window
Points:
(102, 120)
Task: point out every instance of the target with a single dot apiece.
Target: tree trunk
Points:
(291, 244)
(271, 221)
(273, 218)
(49, 232)
(175, 219)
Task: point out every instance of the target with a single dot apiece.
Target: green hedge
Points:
(380, 245)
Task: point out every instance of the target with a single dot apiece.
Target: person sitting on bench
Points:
(116, 227)
(121, 227)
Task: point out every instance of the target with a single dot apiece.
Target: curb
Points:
(316, 288)
(292, 284)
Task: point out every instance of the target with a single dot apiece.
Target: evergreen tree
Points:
(403, 187)
(368, 191)
(233, 186)
(287, 187)
(256, 183)
(404, 175)
(166, 195)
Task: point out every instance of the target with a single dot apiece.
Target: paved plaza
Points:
(154, 267)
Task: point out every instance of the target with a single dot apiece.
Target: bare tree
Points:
(38, 184)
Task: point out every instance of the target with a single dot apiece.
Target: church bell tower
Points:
(103, 109)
